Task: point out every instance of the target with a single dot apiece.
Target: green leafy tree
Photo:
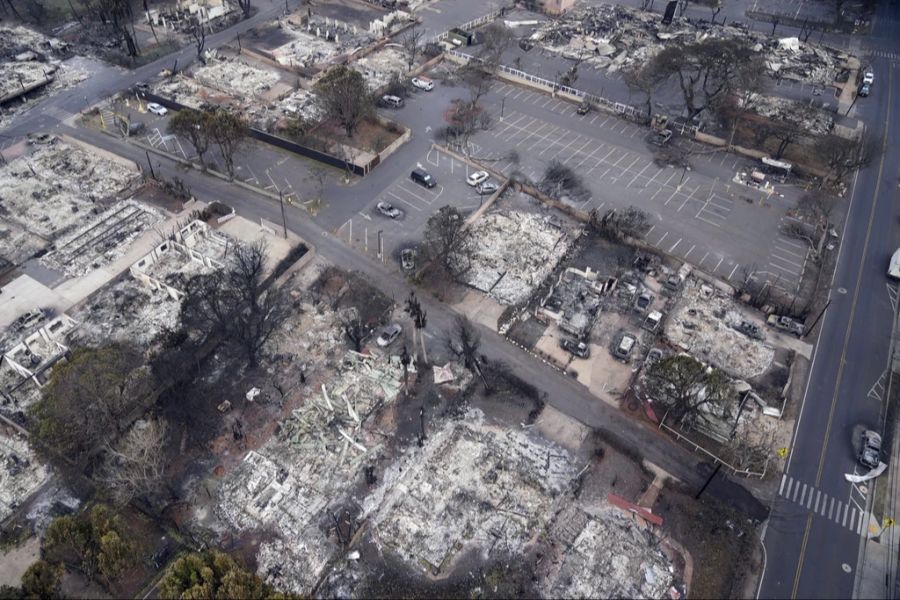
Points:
(685, 385)
(214, 575)
(87, 397)
(42, 580)
(344, 97)
(192, 125)
(95, 541)
(228, 131)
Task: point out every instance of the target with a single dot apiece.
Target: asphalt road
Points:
(813, 536)
(564, 393)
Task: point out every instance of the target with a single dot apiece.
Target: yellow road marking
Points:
(840, 372)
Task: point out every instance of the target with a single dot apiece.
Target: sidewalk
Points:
(877, 563)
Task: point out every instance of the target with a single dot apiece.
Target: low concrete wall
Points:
(28, 88)
(393, 146)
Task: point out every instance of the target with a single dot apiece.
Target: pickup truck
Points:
(786, 324)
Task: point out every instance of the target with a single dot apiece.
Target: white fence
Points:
(698, 448)
(620, 108)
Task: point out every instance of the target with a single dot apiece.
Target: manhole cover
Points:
(846, 568)
(863, 490)
(842, 290)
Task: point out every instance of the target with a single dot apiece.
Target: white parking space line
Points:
(665, 235)
(518, 130)
(641, 172)
(688, 253)
(730, 275)
(718, 263)
(577, 152)
(782, 240)
(406, 202)
(594, 119)
(708, 222)
(549, 100)
(566, 147)
(704, 258)
(543, 138)
(786, 260)
(588, 156)
(784, 269)
(529, 133)
(507, 124)
(675, 245)
(558, 102)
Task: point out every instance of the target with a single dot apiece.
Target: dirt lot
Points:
(719, 540)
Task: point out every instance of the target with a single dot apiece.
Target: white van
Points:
(392, 101)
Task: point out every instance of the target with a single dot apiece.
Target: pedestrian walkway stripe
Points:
(815, 500)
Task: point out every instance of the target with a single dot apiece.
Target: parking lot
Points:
(382, 237)
(700, 214)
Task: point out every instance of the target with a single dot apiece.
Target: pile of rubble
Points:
(512, 253)
(312, 462)
(186, 91)
(472, 486)
(236, 77)
(59, 187)
(30, 64)
(379, 66)
(21, 474)
(616, 37)
(810, 119)
(301, 103)
(103, 240)
(17, 244)
(575, 300)
(125, 311)
(317, 41)
(612, 557)
(704, 323)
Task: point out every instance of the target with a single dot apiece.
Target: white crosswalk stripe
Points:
(810, 498)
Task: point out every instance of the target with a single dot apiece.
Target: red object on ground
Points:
(634, 508)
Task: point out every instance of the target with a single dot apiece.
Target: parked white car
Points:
(157, 109)
(423, 83)
(868, 77)
(477, 177)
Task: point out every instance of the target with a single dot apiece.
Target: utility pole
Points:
(283, 218)
(149, 162)
(816, 321)
(709, 480)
